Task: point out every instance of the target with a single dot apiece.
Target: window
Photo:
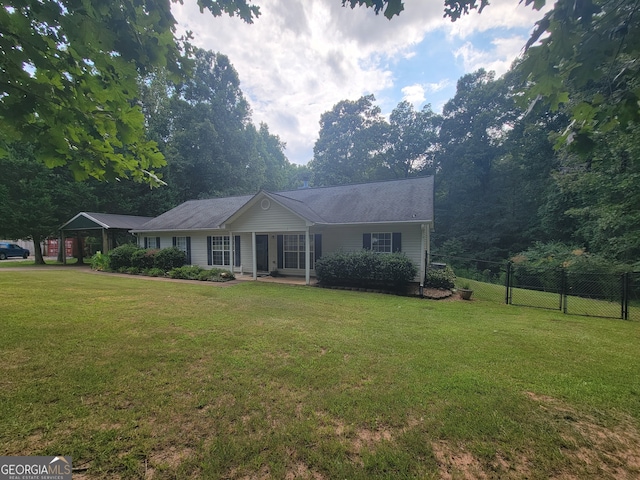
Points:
(221, 250)
(184, 244)
(294, 251)
(181, 244)
(152, 242)
(381, 242)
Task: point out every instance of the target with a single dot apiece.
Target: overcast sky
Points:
(301, 57)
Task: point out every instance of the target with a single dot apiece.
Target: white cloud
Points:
(499, 58)
(414, 94)
(301, 57)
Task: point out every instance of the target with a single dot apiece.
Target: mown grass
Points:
(151, 379)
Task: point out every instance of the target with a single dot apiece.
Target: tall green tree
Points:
(203, 127)
(603, 193)
(581, 54)
(69, 79)
(36, 200)
(413, 140)
(474, 129)
(350, 140)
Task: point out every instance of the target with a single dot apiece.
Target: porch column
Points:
(255, 256)
(307, 255)
(232, 251)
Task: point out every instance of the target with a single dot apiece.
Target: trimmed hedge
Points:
(365, 269)
(120, 257)
(170, 258)
(144, 259)
(131, 256)
(440, 278)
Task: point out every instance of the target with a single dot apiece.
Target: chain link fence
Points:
(574, 293)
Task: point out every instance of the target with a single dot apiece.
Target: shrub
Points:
(100, 261)
(143, 259)
(133, 271)
(194, 272)
(440, 278)
(120, 257)
(170, 258)
(188, 272)
(365, 269)
(155, 272)
(216, 275)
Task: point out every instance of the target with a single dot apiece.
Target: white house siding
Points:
(275, 219)
(246, 253)
(198, 243)
(349, 239)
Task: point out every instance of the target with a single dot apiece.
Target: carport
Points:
(114, 230)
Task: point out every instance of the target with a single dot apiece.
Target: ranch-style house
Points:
(288, 231)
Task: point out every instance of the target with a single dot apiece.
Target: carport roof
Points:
(108, 221)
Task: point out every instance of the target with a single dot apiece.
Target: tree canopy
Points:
(68, 79)
(581, 54)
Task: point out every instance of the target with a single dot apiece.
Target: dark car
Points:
(12, 250)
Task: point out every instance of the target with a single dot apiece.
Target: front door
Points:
(262, 253)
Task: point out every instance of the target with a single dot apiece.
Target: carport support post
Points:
(61, 247)
(105, 241)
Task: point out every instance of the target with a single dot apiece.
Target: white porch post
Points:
(232, 252)
(307, 255)
(255, 257)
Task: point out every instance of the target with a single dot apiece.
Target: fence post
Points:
(507, 284)
(625, 296)
(563, 290)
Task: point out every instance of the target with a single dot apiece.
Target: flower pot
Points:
(465, 293)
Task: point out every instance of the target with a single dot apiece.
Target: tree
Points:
(69, 79)
(588, 61)
(413, 140)
(350, 139)
(475, 126)
(36, 200)
(590, 47)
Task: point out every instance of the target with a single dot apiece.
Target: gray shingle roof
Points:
(197, 214)
(407, 200)
(108, 220)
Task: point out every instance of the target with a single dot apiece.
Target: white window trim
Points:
(223, 241)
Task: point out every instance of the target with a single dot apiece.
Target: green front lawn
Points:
(152, 379)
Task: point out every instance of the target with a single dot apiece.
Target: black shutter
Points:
(317, 246)
(188, 250)
(209, 252)
(174, 241)
(146, 242)
(396, 242)
(157, 242)
(280, 251)
(236, 253)
(366, 241)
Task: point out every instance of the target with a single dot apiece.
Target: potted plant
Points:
(465, 291)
